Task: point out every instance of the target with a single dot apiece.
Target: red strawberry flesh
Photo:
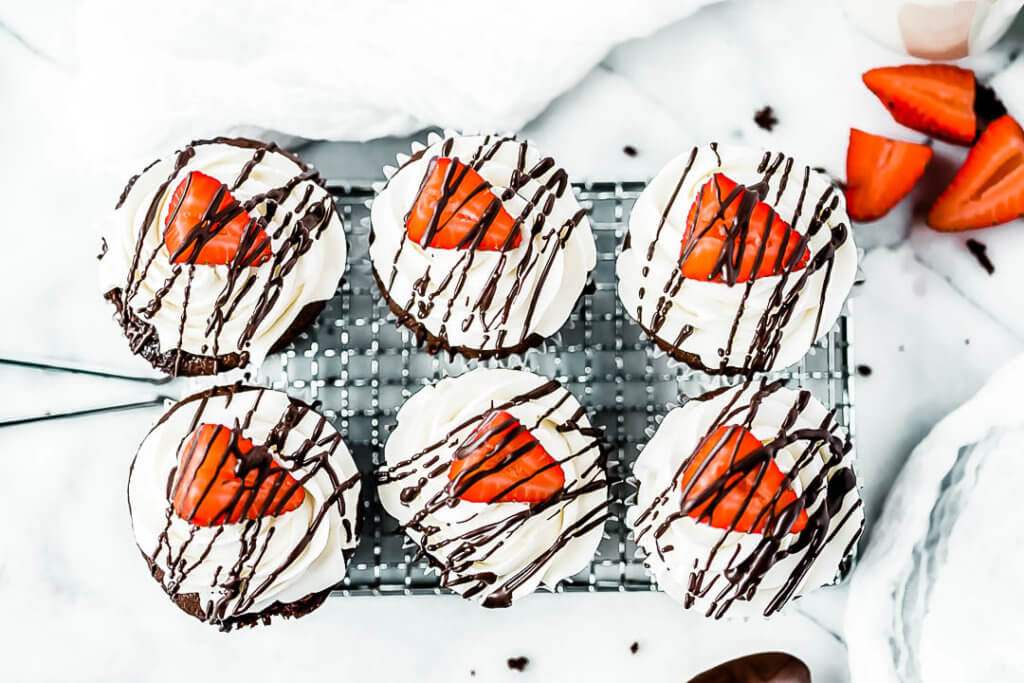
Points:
(936, 99)
(206, 226)
(737, 497)
(989, 188)
(717, 247)
(222, 478)
(456, 209)
(500, 461)
(880, 172)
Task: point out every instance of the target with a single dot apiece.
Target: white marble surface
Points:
(929, 322)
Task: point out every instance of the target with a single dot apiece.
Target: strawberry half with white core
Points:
(732, 236)
(207, 226)
(456, 209)
(734, 493)
(936, 99)
(500, 461)
(222, 478)
(880, 172)
(989, 188)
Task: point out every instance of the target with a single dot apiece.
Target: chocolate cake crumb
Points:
(472, 672)
(103, 248)
(518, 663)
(901, 348)
(634, 647)
(629, 151)
(980, 252)
(864, 370)
(967, 342)
(765, 118)
(987, 107)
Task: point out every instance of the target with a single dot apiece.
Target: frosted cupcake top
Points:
(217, 249)
(737, 259)
(479, 243)
(498, 476)
(747, 499)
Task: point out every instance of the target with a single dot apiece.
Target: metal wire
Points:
(361, 367)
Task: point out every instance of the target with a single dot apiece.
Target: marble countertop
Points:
(930, 326)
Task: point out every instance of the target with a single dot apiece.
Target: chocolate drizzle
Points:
(823, 496)
(531, 262)
(293, 237)
(455, 555)
(235, 582)
(791, 277)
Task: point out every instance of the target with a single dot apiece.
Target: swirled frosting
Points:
(210, 310)
(766, 323)
(495, 552)
(491, 301)
(725, 571)
(246, 567)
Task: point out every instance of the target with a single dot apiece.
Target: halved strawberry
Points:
(201, 233)
(937, 99)
(707, 244)
(455, 209)
(880, 172)
(222, 478)
(501, 462)
(989, 188)
(726, 446)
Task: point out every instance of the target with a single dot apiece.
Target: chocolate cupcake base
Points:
(694, 361)
(144, 342)
(190, 604)
(435, 344)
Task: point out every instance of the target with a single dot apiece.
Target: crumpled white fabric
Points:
(936, 596)
(153, 74)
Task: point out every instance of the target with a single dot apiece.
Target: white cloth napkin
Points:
(937, 596)
(353, 70)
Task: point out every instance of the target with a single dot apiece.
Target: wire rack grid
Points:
(362, 367)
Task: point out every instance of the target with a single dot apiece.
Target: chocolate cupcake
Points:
(498, 476)
(747, 499)
(737, 260)
(479, 245)
(244, 504)
(220, 254)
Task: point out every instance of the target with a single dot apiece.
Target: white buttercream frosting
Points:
(540, 545)
(208, 553)
(702, 313)
(314, 277)
(685, 544)
(536, 284)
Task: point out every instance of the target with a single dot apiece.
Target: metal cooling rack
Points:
(361, 367)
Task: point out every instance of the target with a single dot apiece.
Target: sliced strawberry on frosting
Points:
(880, 172)
(222, 478)
(989, 188)
(716, 248)
(206, 226)
(740, 495)
(455, 209)
(502, 462)
(937, 99)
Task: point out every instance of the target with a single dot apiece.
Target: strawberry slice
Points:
(201, 233)
(880, 172)
(725, 447)
(989, 188)
(937, 99)
(706, 243)
(455, 209)
(222, 478)
(500, 461)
